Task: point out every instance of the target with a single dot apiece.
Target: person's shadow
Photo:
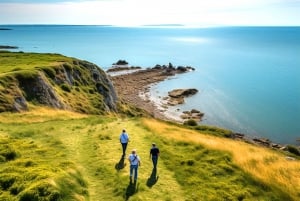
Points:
(121, 164)
(153, 178)
(132, 188)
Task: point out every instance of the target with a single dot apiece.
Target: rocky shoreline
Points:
(133, 87)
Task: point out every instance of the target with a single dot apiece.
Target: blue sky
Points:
(143, 12)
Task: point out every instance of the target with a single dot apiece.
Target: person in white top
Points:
(135, 162)
(124, 139)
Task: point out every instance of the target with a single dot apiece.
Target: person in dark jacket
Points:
(154, 153)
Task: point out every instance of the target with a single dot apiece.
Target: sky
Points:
(152, 12)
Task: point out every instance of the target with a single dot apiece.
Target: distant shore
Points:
(8, 47)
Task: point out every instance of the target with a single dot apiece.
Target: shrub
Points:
(50, 71)
(65, 87)
(293, 150)
(7, 181)
(7, 153)
(190, 122)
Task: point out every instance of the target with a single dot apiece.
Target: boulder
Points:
(176, 93)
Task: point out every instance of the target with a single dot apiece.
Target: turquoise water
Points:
(248, 77)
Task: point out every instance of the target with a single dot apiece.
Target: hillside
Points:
(59, 141)
(50, 154)
(53, 80)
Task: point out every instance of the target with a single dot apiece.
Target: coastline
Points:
(134, 88)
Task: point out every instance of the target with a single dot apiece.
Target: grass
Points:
(13, 62)
(270, 167)
(48, 154)
(71, 83)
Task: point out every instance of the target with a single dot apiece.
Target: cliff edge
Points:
(54, 80)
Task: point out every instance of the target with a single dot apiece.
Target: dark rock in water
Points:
(175, 101)
(193, 114)
(176, 93)
(121, 62)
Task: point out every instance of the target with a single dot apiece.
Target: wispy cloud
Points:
(137, 12)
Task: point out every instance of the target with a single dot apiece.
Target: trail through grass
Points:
(80, 156)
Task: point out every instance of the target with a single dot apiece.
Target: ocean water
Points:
(248, 77)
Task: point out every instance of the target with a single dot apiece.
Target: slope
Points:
(69, 156)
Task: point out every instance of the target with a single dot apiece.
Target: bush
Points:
(190, 122)
(65, 87)
(50, 71)
(293, 150)
(7, 153)
(7, 181)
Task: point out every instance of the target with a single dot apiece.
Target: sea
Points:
(248, 78)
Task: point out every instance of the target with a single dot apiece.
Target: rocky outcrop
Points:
(73, 84)
(177, 96)
(39, 90)
(177, 93)
(193, 114)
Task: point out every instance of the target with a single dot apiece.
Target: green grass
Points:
(13, 62)
(53, 155)
(74, 84)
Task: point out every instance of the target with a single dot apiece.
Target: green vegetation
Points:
(12, 62)
(54, 155)
(294, 150)
(50, 154)
(53, 80)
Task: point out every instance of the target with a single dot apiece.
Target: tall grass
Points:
(269, 166)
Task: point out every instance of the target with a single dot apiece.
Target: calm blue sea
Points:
(248, 77)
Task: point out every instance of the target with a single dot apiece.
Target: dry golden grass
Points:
(268, 165)
(39, 114)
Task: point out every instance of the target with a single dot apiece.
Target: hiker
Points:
(135, 162)
(154, 153)
(124, 138)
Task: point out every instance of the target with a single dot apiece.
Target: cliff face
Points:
(70, 84)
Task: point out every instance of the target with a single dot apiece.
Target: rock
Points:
(195, 111)
(290, 158)
(175, 101)
(262, 141)
(20, 104)
(176, 93)
(39, 89)
(193, 114)
(276, 146)
(121, 62)
(238, 135)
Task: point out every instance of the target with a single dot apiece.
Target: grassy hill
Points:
(63, 144)
(48, 154)
(53, 80)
